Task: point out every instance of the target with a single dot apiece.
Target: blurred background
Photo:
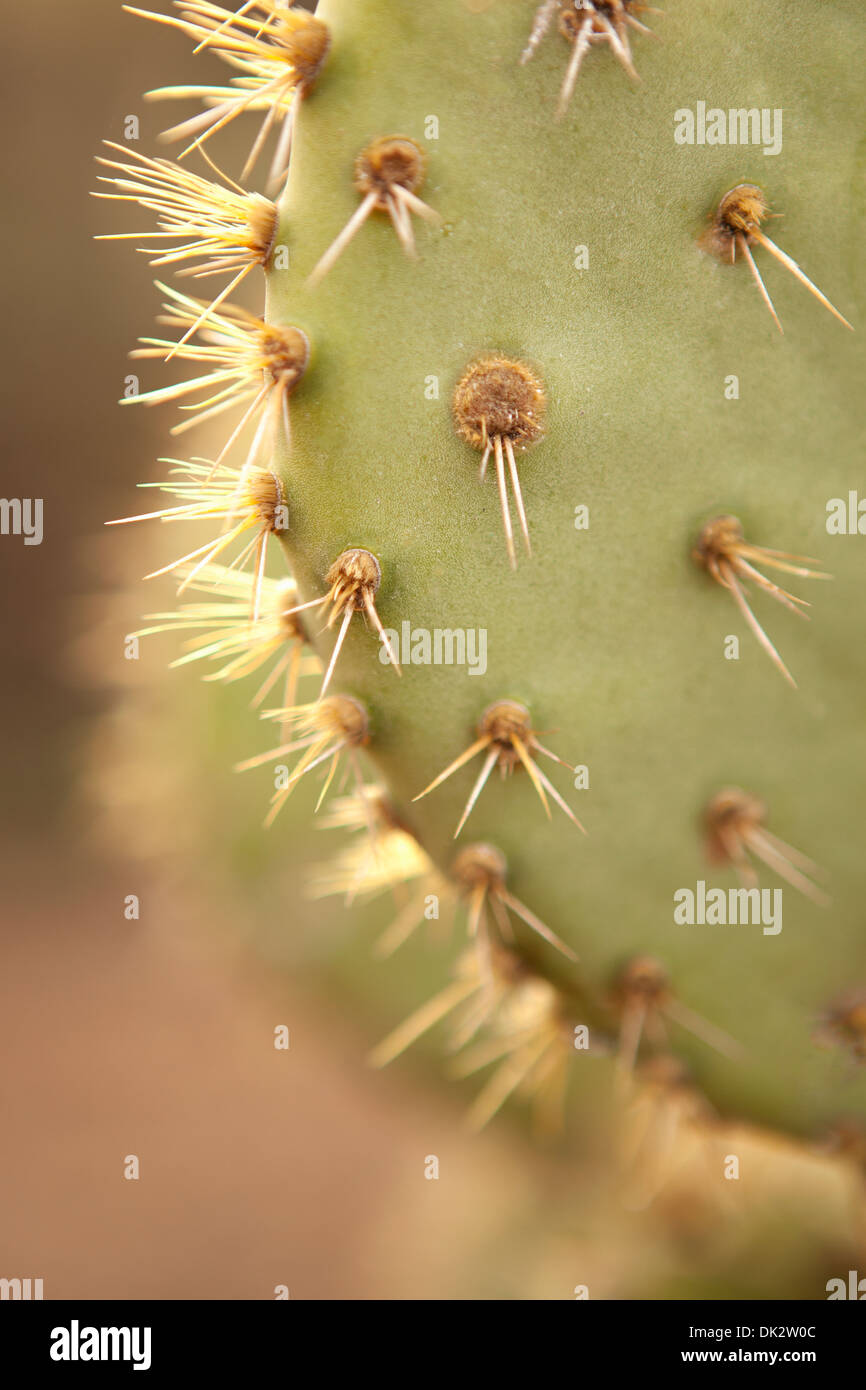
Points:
(155, 1037)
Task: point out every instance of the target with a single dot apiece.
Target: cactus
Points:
(529, 267)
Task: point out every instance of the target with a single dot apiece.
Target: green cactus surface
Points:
(609, 634)
(582, 241)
